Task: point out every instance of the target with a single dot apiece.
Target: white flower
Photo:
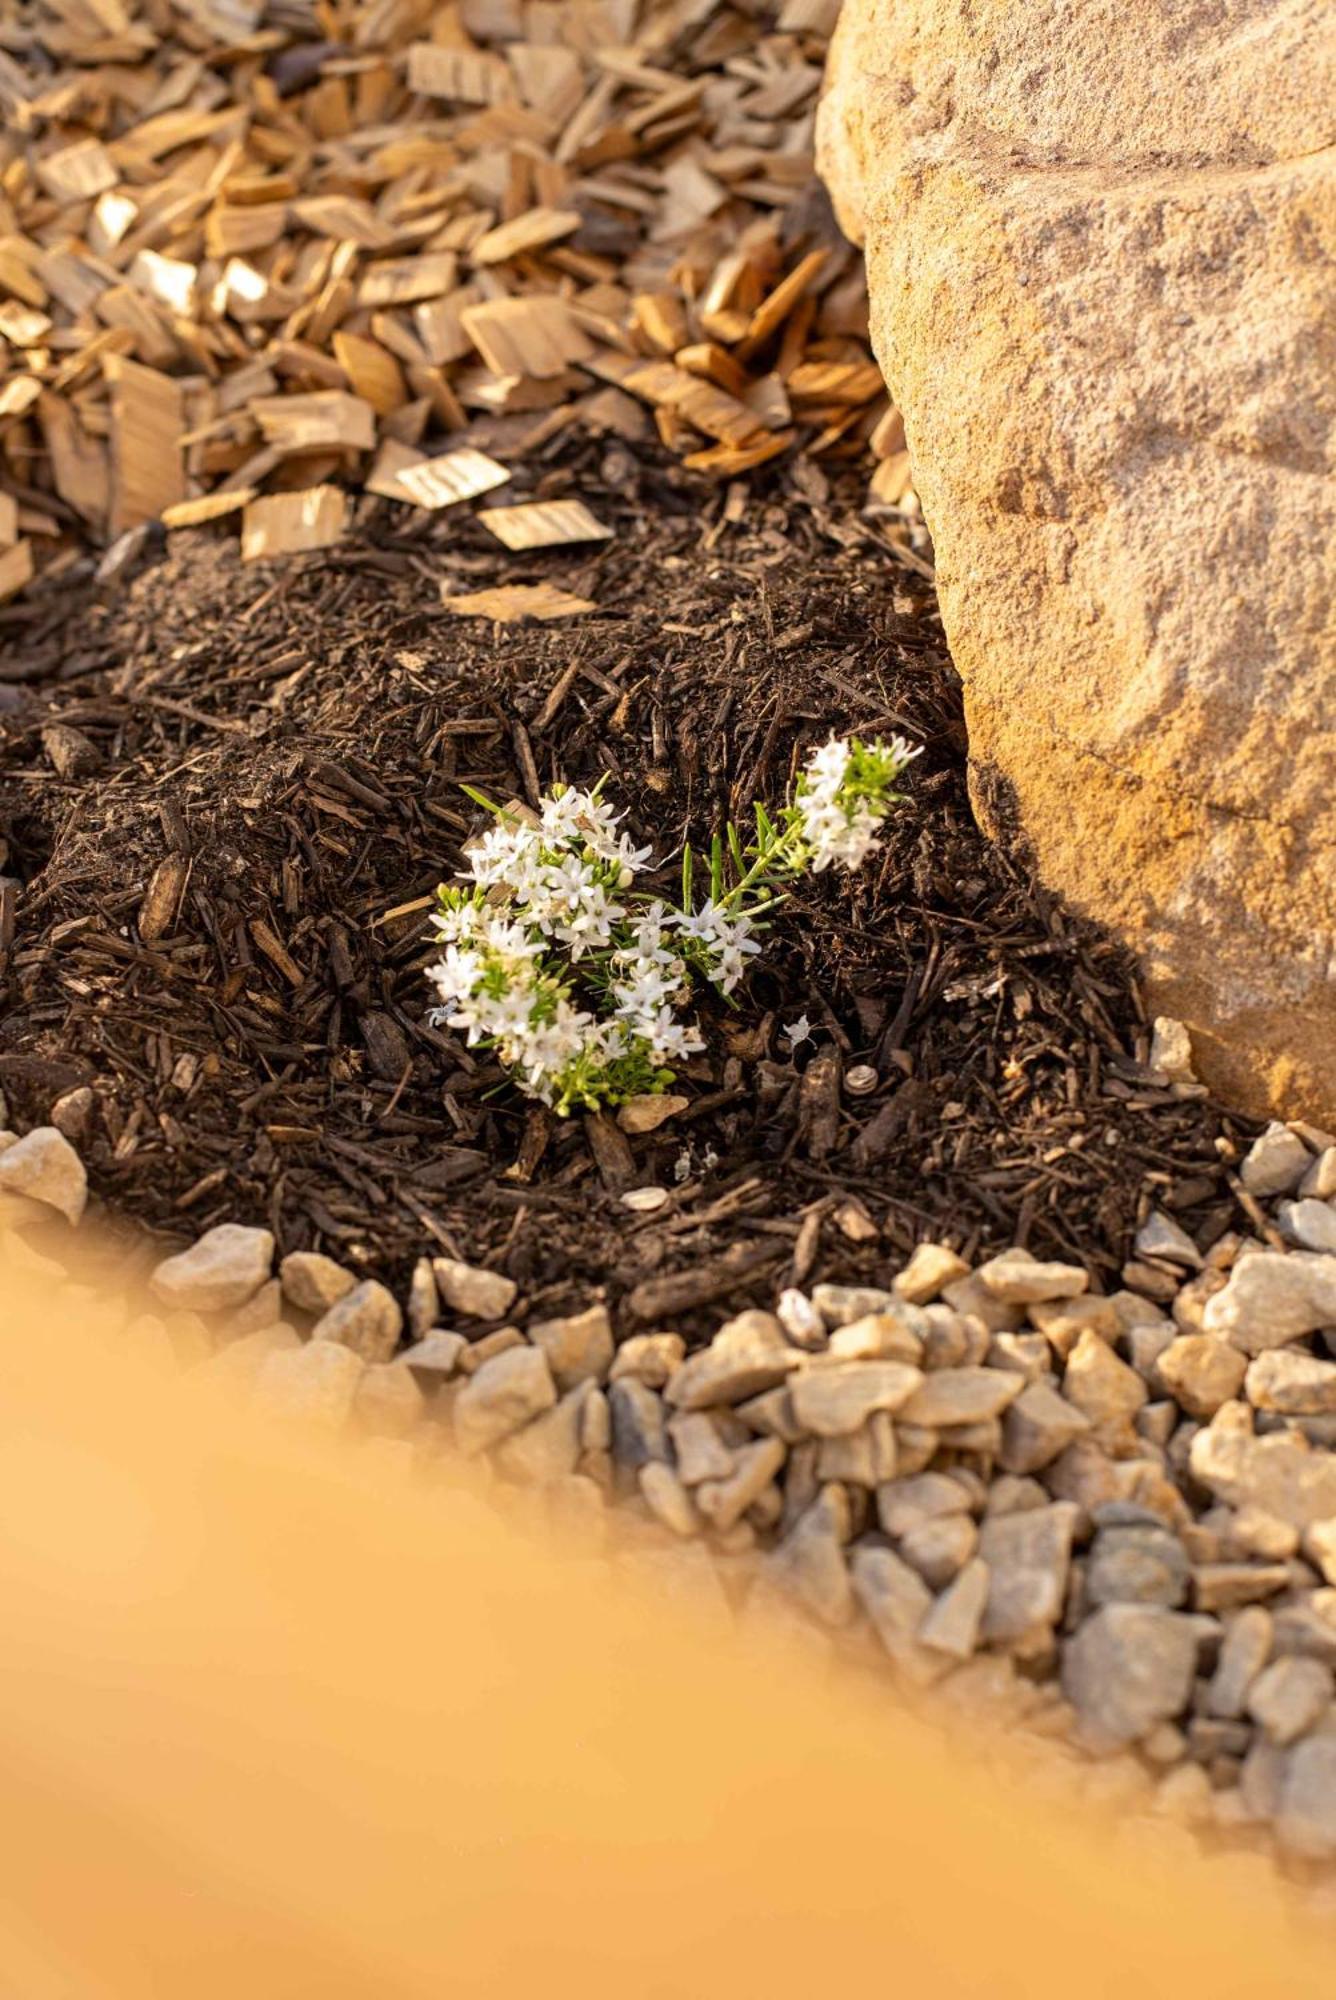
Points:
(726, 936)
(504, 854)
(799, 1031)
(826, 768)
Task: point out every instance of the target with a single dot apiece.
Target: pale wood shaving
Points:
(511, 603)
(543, 524)
(284, 524)
(447, 480)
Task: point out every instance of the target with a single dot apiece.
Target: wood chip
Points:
(16, 567)
(450, 478)
(542, 524)
(147, 422)
(285, 524)
(207, 507)
(533, 230)
(511, 603)
(536, 337)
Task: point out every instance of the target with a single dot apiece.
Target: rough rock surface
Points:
(1100, 261)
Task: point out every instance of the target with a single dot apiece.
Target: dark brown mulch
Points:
(267, 765)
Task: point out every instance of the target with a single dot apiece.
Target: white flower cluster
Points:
(546, 898)
(577, 980)
(841, 799)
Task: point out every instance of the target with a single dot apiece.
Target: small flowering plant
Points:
(579, 981)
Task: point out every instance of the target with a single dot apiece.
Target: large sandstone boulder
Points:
(1101, 238)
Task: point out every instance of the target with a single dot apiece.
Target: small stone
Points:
(505, 1394)
(638, 1429)
(1190, 1303)
(72, 754)
(700, 1451)
(867, 1457)
(262, 1308)
(314, 1283)
(839, 1304)
(1104, 1389)
(961, 1396)
(1129, 1667)
(1310, 1224)
(646, 1114)
(1201, 1371)
(896, 1601)
(595, 1422)
(45, 1167)
(436, 1356)
(579, 1347)
(1255, 1533)
(1028, 1557)
(903, 1504)
(1276, 1163)
(800, 1320)
(748, 1355)
(970, 1298)
(1025, 1354)
(833, 1401)
(877, 1337)
(1063, 1321)
(915, 1448)
(1186, 1794)
(1020, 1279)
(1137, 1565)
(1146, 1343)
(1319, 1183)
(667, 1498)
(72, 1113)
(1160, 1236)
(477, 1352)
(725, 1501)
(772, 1414)
(1319, 1545)
(1261, 1778)
(1291, 1382)
(1275, 1299)
(548, 1449)
(651, 1357)
(238, 1365)
(1223, 1586)
(1280, 1474)
(931, 1267)
(644, 1200)
(223, 1269)
(1171, 1050)
(1306, 1808)
(1037, 1428)
(810, 1562)
(1289, 1698)
(424, 1303)
(1156, 1281)
(939, 1549)
(367, 1319)
(388, 1402)
(467, 1289)
(313, 1384)
(952, 1625)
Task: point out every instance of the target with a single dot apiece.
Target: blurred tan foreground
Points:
(273, 1725)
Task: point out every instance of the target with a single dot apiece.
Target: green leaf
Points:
(735, 849)
(688, 871)
(481, 799)
(716, 868)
